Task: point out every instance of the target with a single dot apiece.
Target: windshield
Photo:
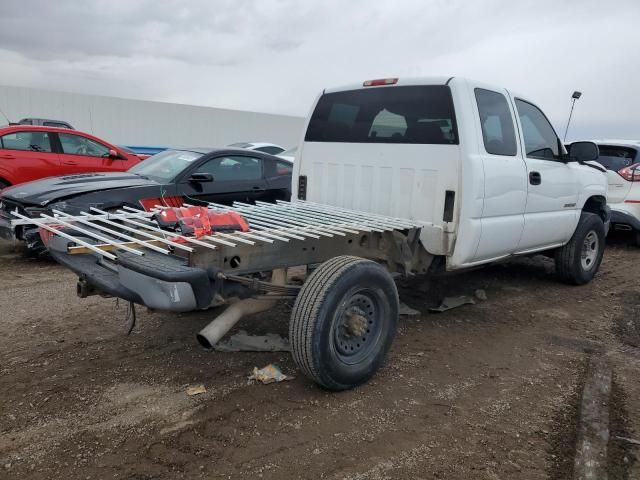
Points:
(165, 166)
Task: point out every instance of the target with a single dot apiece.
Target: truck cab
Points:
(481, 166)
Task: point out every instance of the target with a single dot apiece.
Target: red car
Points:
(29, 153)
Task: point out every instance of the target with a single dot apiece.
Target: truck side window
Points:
(540, 139)
(498, 133)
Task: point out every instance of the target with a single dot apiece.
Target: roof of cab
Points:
(402, 81)
(436, 80)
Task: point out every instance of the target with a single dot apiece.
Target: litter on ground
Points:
(452, 302)
(196, 390)
(269, 374)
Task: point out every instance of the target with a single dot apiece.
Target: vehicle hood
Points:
(53, 189)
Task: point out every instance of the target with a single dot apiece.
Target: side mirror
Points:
(583, 151)
(114, 154)
(201, 178)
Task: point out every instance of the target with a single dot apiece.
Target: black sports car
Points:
(168, 178)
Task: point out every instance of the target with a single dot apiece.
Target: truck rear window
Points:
(411, 114)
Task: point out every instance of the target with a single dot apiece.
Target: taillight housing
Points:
(630, 173)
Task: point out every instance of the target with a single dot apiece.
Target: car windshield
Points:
(165, 166)
(616, 158)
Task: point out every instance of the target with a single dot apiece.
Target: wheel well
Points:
(596, 204)
(5, 181)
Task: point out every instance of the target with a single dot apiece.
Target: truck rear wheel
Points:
(578, 261)
(343, 322)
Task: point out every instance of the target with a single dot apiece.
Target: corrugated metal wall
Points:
(136, 122)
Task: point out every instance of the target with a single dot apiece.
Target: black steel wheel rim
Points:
(357, 327)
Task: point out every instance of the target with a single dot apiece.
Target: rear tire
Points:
(343, 322)
(578, 261)
(636, 238)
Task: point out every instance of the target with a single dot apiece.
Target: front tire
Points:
(343, 322)
(578, 261)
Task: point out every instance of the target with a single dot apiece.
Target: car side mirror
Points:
(115, 155)
(583, 151)
(201, 178)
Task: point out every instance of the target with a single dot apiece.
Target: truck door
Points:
(505, 186)
(552, 185)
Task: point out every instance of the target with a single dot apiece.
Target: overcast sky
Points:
(275, 55)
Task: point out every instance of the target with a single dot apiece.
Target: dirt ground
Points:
(485, 391)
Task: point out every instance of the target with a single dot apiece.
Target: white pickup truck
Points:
(481, 165)
(392, 177)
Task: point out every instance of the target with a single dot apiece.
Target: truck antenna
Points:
(576, 95)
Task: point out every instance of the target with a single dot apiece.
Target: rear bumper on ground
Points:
(160, 282)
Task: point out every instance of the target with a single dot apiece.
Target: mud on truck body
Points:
(393, 177)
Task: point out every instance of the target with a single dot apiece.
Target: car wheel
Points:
(578, 261)
(343, 322)
(636, 237)
(4, 184)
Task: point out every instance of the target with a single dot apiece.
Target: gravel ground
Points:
(485, 391)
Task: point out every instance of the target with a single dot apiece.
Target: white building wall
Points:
(138, 122)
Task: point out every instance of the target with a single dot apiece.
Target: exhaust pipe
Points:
(212, 333)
